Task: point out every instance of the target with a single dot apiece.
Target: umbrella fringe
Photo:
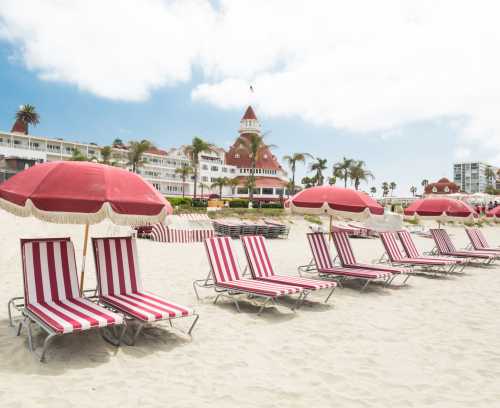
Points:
(105, 212)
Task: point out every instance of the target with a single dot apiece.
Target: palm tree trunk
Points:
(220, 191)
(293, 179)
(195, 180)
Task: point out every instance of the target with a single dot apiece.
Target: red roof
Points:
(249, 114)
(263, 181)
(19, 127)
(239, 156)
(155, 150)
(443, 186)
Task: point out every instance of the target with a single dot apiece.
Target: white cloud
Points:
(360, 65)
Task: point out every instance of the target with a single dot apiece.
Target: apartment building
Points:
(471, 176)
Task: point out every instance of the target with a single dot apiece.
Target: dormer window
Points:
(434, 189)
(446, 189)
(236, 156)
(265, 156)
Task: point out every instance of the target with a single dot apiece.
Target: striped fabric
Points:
(226, 271)
(347, 259)
(390, 241)
(51, 287)
(411, 250)
(163, 233)
(478, 241)
(446, 247)
(120, 285)
(324, 264)
(261, 268)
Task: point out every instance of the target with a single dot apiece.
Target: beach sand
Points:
(434, 343)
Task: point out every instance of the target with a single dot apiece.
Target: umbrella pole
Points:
(330, 230)
(85, 242)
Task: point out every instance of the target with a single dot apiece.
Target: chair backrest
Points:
(257, 253)
(442, 240)
(223, 262)
(408, 244)
(480, 236)
(320, 252)
(344, 249)
(116, 266)
(390, 241)
(473, 234)
(49, 270)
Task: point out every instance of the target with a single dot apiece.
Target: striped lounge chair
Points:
(445, 247)
(478, 241)
(226, 279)
(260, 265)
(119, 286)
(323, 265)
(396, 256)
(348, 260)
(52, 295)
(454, 264)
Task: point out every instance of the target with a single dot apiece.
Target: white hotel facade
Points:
(159, 166)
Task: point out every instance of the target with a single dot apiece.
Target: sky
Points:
(407, 86)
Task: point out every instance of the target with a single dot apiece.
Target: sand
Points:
(434, 343)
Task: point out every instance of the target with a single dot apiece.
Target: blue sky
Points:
(390, 101)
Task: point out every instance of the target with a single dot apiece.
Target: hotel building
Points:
(471, 177)
(160, 166)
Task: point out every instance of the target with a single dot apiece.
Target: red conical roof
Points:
(249, 114)
(19, 127)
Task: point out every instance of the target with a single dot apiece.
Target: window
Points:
(204, 178)
(268, 191)
(214, 168)
(204, 167)
(236, 156)
(242, 190)
(157, 186)
(446, 189)
(17, 142)
(434, 189)
(224, 169)
(256, 191)
(232, 170)
(279, 191)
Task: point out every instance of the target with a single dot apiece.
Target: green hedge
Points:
(176, 201)
(238, 203)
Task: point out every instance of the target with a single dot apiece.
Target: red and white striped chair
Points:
(260, 265)
(163, 233)
(323, 265)
(119, 285)
(478, 241)
(52, 295)
(445, 247)
(347, 259)
(412, 252)
(396, 256)
(225, 277)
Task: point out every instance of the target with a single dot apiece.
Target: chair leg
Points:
(330, 294)
(365, 285)
(46, 345)
(197, 316)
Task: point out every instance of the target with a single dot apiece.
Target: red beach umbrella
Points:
(335, 201)
(495, 212)
(70, 192)
(440, 209)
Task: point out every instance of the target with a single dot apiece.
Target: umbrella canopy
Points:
(440, 209)
(494, 213)
(72, 192)
(335, 201)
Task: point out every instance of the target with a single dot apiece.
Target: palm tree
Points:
(220, 182)
(308, 181)
(202, 187)
(136, 151)
(358, 173)
(27, 115)
(342, 169)
(77, 155)
(192, 151)
(373, 190)
(489, 173)
(233, 183)
(392, 186)
(106, 154)
(184, 172)
(385, 188)
(413, 190)
(255, 145)
(318, 167)
(425, 183)
(292, 162)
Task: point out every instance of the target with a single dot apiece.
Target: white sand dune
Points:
(434, 343)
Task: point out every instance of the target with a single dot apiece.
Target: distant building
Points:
(159, 165)
(442, 186)
(471, 177)
(10, 166)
